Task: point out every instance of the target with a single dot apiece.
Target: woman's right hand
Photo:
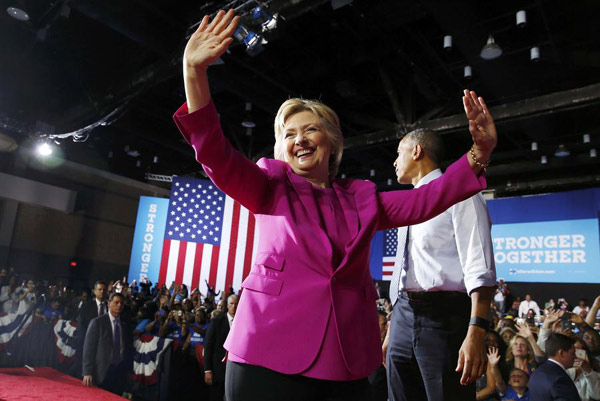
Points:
(493, 356)
(210, 40)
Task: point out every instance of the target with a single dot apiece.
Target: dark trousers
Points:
(115, 380)
(425, 336)
(255, 383)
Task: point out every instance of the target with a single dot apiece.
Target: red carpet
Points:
(21, 384)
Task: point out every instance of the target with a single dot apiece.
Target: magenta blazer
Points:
(292, 288)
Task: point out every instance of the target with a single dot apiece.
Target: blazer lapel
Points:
(348, 202)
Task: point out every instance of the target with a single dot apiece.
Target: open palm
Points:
(481, 123)
(210, 40)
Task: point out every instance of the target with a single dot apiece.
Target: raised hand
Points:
(493, 356)
(523, 330)
(210, 40)
(481, 125)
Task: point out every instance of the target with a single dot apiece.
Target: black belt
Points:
(432, 295)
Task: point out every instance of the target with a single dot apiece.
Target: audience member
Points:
(551, 381)
(527, 304)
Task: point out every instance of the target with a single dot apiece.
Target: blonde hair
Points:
(509, 354)
(329, 121)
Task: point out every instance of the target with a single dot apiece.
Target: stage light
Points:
(267, 21)
(44, 149)
(534, 146)
(372, 173)
(252, 40)
(593, 153)
(586, 138)
(491, 50)
(544, 160)
(389, 182)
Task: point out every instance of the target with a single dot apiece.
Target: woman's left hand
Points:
(481, 125)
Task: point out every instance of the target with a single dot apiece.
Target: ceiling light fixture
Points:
(586, 138)
(372, 172)
(248, 122)
(593, 153)
(544, 160)
(491, 50)
(389, 182)
(17, 13)
(534, 146)
(562, 151)
(534, 54)
(468, 72)
(155, 160)
(521, 18)
(343, 176)
(448, 42)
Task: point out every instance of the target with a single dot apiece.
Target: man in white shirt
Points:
(444, 274)
(527, 304)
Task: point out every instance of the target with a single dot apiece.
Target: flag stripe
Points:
(226, 243)
(241, 255)
(235, 223)
(189, 264)
(181, 262)
(197, 266)
(214, 266)
(164, 262)
(205, 271)
(172, 266)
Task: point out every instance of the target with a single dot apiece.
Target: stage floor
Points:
(21, 384)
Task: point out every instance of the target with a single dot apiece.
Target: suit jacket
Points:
(98, 347)
(550, 382)
(293, 289)
(87, 312)
(214, 352)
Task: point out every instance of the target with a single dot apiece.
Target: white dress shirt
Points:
(98, 303)
(524, 307)
(452, 251)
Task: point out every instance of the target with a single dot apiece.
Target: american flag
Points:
(208, 237)
(390, 244)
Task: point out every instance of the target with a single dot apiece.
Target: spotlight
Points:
(593, 153)
(372, 173)
(252, 40)
(389, 182)
(448, 42)
(586, 138)
(155, 159)
(534, 146)
(491, 50)
(44, 149)
(544, 160)
(268, 21)
(521, 18)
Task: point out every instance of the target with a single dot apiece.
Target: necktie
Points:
(101, 309)
(116, 357)
(400, 265)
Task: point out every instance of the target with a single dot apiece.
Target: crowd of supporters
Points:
(34, 317)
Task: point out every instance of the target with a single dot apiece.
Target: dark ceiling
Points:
(110, 71)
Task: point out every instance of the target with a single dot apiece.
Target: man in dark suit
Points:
(108, 349)
(214, 367)
(93, 308)
(550, 380)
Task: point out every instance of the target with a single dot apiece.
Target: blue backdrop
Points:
(549, 238)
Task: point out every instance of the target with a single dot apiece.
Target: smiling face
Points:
(307, 146)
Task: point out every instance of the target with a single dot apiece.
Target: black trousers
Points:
(115, 380)
(425, 337)
(254, 383)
